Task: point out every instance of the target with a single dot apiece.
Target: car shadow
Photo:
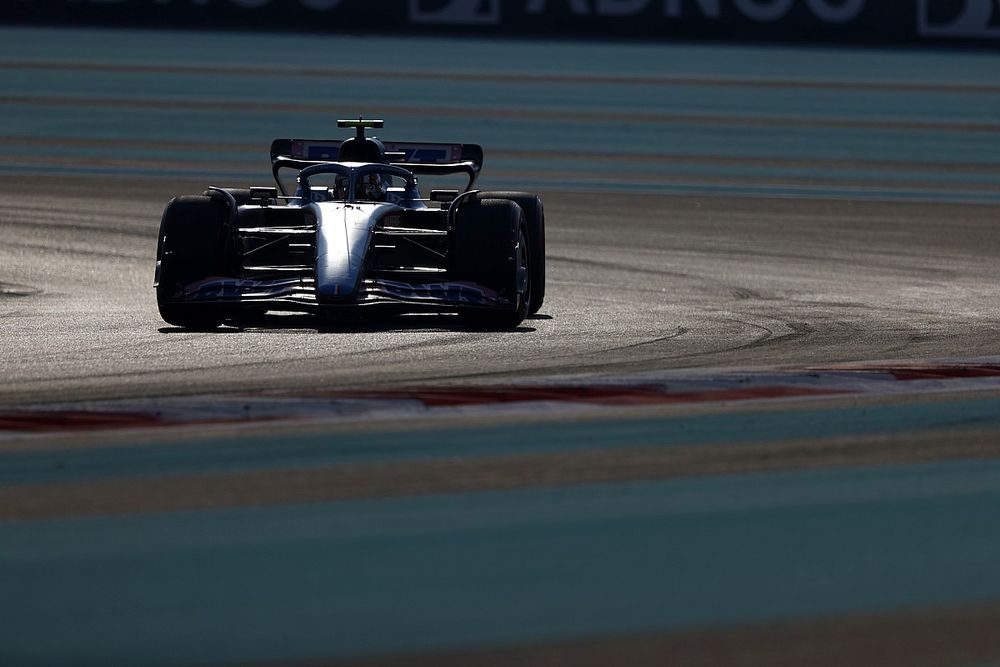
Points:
(385, 324)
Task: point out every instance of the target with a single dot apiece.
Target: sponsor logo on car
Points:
(451, 292)
(219, 287)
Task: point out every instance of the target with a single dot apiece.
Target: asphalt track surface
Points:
(715, 211)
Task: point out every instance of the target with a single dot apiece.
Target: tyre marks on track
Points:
(15, 290)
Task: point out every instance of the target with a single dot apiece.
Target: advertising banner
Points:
(871, 22)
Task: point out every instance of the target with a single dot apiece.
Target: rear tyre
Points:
(491, 248)
(190, 248)
(534, 218)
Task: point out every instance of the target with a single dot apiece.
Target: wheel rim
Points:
(523, 272)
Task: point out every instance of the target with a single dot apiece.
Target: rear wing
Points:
(419, 158)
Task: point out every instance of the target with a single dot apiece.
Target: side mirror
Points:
(444, 196)
(262, 195)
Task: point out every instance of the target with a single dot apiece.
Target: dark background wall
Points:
(874, 22)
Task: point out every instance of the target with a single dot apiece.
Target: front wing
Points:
(299, 294)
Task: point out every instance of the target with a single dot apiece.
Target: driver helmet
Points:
(340, 187)
(373, 187)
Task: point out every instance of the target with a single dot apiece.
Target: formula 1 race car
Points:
(353, 237)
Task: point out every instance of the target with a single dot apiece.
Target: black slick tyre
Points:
(491, 248)
(190, 248)
(534, 218)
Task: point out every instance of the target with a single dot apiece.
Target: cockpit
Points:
(358, 183)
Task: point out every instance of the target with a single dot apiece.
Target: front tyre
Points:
(534, 219)
(492, 249)
(190, 248)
